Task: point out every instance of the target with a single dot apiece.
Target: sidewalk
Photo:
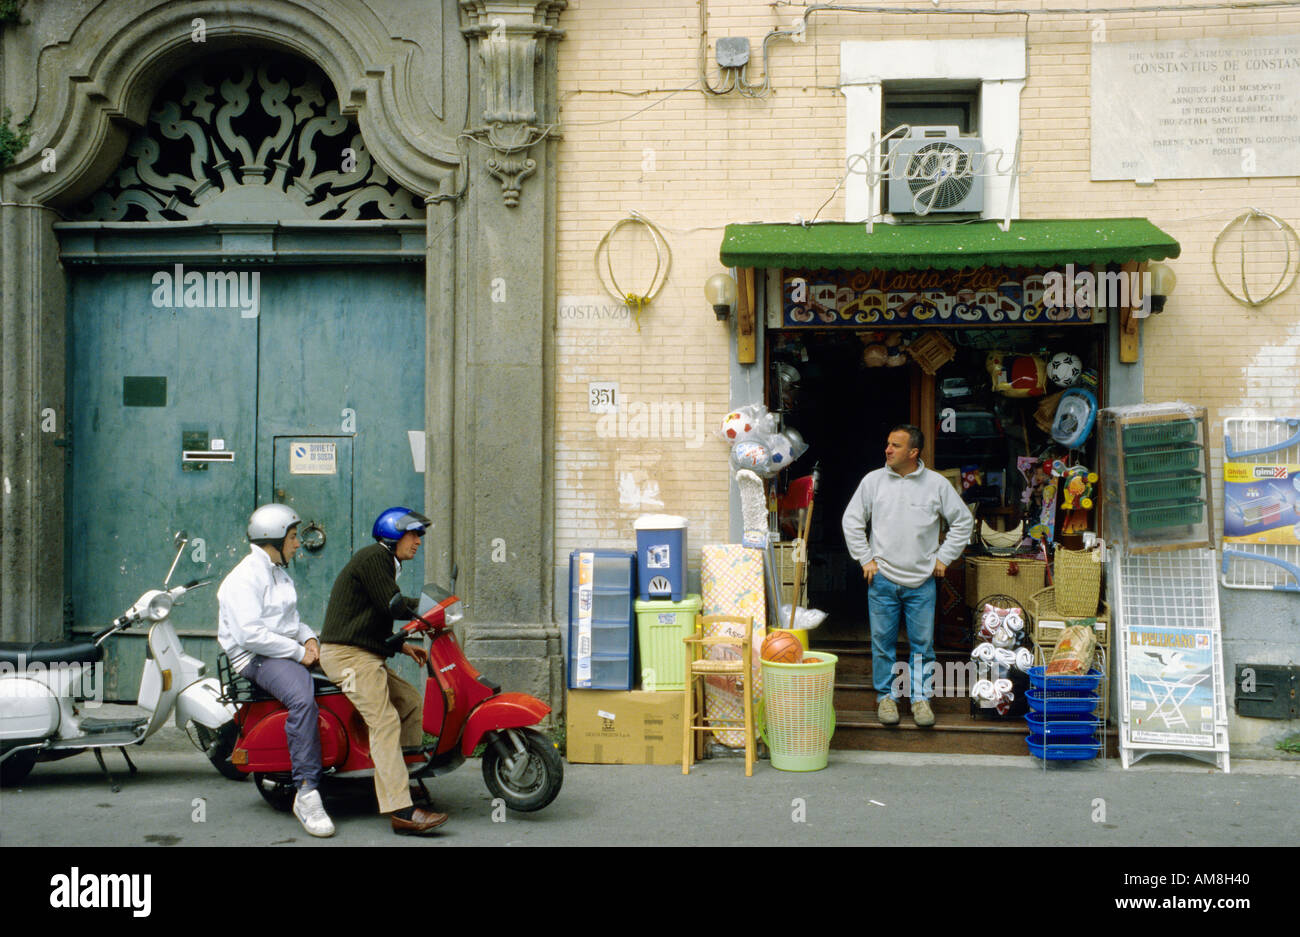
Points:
(860, 799)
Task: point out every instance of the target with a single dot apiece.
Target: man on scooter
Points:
(266, 641)
(359, 618)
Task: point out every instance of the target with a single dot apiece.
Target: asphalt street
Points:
(861, 799)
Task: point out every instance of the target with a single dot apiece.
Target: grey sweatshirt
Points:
(904, 512)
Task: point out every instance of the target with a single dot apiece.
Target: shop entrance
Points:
(845, 410)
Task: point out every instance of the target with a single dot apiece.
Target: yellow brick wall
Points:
(639, 135)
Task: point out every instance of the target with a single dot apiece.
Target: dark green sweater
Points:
(358, 611)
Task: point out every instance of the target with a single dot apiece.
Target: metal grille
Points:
(1172, 590)
(1176, 589)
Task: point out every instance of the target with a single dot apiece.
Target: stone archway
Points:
(415, 78)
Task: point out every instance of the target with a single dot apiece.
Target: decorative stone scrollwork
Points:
(252, 139)
(510, 47)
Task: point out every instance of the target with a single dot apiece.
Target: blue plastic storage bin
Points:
(1067, 726)
(1083, 683)
(1054, 702)
(661, 557)
(602, 629)
(1054, 751)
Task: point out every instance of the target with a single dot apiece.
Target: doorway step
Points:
(955, 730)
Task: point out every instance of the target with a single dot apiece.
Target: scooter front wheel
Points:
(276, 790)
(530, 777)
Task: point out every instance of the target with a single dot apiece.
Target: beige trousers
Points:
(391, 708)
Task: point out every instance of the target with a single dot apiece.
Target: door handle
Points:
(312, 537)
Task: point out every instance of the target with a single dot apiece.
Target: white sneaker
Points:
(307, 807)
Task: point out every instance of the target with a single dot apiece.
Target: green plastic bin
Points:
(660, 626)
(1159, 434)
(798, 712)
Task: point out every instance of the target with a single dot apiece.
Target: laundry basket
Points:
(799, 712)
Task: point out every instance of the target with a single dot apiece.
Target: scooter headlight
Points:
(160, 607)
(454, 612)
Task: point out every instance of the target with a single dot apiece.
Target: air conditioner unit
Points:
(931, 170)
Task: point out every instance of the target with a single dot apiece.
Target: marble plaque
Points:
(1196, 108)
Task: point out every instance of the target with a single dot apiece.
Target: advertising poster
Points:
(1170, 686)
(1261, 503)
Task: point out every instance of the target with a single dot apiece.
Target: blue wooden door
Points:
(332, 355)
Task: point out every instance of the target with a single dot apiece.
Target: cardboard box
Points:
(624, 727)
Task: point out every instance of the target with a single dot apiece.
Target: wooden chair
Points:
(698, 668)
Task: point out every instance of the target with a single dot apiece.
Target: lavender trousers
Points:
(291, 683)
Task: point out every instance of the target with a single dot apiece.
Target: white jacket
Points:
(258, 612)
(904, 512)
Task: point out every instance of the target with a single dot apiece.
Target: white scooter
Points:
(47, 691)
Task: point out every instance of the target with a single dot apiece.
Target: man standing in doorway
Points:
(903, 502)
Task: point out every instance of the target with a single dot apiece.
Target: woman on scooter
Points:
(266, 641)
(363, 604)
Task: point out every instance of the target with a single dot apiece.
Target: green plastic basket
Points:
(1165, 488)
(1159, 434)
(1177, 514)
(798, 712)
(1167, 459)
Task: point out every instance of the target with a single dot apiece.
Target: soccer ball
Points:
(751, 455)
(780, 451)
(1065, 369)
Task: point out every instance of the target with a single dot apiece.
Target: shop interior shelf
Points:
(1165, 488)
(1162, 460)
(1140, 435)
(1172, 514)
(1056, 752)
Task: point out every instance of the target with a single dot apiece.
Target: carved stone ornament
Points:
(509, 51)
(254, 138)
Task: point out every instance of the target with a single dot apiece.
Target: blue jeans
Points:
(291, 683)
(886, 602)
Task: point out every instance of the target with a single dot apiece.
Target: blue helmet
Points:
(391, 524)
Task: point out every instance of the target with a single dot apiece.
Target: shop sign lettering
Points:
(980, 296)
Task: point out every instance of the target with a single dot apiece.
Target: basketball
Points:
(781, 647)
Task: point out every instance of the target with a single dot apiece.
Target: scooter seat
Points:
(243, 690)
(21, 653)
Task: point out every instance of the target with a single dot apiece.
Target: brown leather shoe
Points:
(422, 821)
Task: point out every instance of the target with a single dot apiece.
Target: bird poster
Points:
(1171, 686)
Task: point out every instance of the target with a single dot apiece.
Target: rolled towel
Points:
(1003, 638)
(1024, 659)
(1014, 621)
(1005, 656)
(985, 652)
(1002, 686)
(984, 690)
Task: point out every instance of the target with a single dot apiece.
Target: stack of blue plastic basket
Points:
(1062, 718)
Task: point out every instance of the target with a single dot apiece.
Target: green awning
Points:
(940, 246)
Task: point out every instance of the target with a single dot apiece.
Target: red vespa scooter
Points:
(461, 708)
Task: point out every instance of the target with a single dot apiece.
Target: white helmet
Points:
(271, 522)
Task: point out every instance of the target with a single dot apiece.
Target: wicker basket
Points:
(989, 575)
(1042, 607)
(1077, 577)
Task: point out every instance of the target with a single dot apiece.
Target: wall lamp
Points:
(1162, 285)
(720, 291)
